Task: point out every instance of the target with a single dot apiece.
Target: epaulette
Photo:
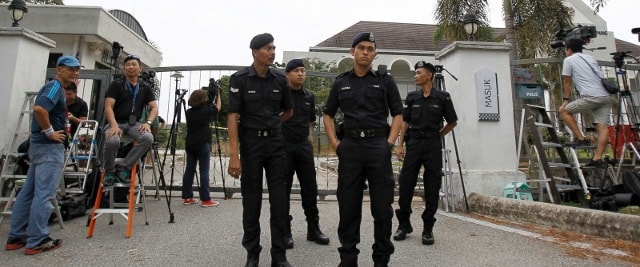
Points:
(242, 71)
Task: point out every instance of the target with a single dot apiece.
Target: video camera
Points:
(584, 33)
(212, 90)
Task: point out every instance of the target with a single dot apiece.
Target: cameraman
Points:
(583, 71)
(198, 145)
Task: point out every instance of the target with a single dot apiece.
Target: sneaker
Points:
(15, 243)
(210, 203)
(124, 174)
(190, 201)
(46, 245)
(594, 163)
(109, 179)
(578, 143)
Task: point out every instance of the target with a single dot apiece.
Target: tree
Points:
(529, 25)
(39, 2)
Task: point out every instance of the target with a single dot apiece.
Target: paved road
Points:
(211, 237)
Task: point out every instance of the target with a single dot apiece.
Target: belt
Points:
(423, 134)
(296, 139)
(366, 133)
(248, 132)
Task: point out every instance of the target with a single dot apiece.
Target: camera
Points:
(212, 90)
(584, 33)
(148, 77)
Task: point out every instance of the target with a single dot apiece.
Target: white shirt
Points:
(582, 74)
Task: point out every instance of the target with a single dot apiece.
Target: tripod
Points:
(446, 164)
(626, 102)
(213, 85)
(171, 143)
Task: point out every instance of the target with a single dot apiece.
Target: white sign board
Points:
(487, 93)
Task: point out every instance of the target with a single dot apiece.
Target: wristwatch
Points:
(566, 98)
(149, 122)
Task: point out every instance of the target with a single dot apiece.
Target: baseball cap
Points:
(68, 61)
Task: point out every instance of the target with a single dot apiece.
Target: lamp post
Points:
(17, 8)
(177, 75)
(176, 113)
(470, 23)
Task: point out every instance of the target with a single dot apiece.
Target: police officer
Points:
(300, 152)
(365, 97)
(423, 122)
(259, 96)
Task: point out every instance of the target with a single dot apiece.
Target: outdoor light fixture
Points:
(177, 75)
(470, 23)
(17, 8)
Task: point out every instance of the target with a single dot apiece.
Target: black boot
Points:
(284, 263)
(404, 226)
(288, 238)
(314, 234)
(252, 260)
(427, 238)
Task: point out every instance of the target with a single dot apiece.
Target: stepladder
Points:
(79, 158)
(136, 199)
(15, 164)
(558, 172)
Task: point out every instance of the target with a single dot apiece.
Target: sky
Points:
(217, 32)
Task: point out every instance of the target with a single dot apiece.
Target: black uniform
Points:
(300, 151)
(259, 101)
(424, 148)
(364, 153)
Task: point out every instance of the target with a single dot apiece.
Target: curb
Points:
(584, 221)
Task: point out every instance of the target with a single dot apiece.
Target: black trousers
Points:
(361, 159)
(428, 154)
(300, 161)
(268, 154)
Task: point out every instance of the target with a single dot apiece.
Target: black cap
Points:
(260, 40)
(294, 63)
(363, 36)
(425, 65)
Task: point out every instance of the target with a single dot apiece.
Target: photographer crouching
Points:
(198, 143)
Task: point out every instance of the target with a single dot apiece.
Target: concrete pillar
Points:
(485, 134)
(24, 57)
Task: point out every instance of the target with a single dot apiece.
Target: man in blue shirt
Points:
(33, 206)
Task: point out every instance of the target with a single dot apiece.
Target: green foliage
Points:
(449, 15)
(534, 22)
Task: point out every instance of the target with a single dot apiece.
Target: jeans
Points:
(202, 156)
(112, 144)
(33, 207)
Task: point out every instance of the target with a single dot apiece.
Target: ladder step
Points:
(568, 187)
(536, 107)
(559, 165)
(540, 124)
(75, 174)
(550, 144)
(562, 179)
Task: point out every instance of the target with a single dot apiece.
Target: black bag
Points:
(611, 87)
(72, 206)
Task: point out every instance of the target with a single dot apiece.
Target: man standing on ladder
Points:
(423, 123)
(32, 209)
(583, 71)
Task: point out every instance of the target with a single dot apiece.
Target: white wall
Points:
(23, 69)
(486, 148)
